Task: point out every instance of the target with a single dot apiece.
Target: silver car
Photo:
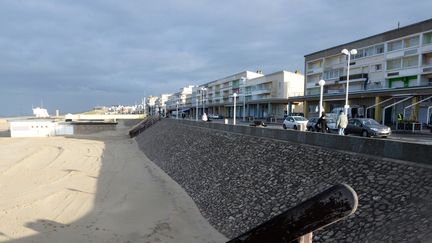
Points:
(294, 122)
(367, 127)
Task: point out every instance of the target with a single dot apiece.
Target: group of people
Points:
(341, 123)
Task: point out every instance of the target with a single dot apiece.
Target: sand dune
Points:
(98, 188)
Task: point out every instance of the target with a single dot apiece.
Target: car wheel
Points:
(284, 126)
(365, 133)
(295, 127)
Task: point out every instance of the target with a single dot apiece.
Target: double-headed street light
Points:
(235, 98)
(348, 53)
(321, 84)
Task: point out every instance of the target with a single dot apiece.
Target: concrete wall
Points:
(93, 127)
(419, 153)
(239, 181)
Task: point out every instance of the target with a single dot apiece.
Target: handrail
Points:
(325, 208)
(147, 122)
(385, 108)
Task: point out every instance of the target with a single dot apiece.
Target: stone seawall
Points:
(240, 181)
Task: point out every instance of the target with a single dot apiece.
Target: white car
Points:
(294, 122)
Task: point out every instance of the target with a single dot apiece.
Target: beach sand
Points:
(95, 188)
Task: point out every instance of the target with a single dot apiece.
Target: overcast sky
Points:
(72, 55)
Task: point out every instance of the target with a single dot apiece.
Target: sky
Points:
(72, 55)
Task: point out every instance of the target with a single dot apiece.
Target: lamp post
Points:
(196, 110)
(202, 98)
(243, 80)
(321, 84)
(348, 53)
(177, 103)
(235, 98)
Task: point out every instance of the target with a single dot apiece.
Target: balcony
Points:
(261, 91)
(314, 70)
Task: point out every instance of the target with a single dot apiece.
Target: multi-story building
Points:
(387, 69)
(267, 96)
(258, 95)
(161, 104)
(218, 94)
(150, 105)
(180, 100)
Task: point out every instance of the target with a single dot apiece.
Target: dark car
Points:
(310, 126)
(258, 124)
(367, 127)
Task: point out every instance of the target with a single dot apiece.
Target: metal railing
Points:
(299, 222)
(144, 124)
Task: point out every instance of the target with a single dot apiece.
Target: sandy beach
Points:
(95, 188)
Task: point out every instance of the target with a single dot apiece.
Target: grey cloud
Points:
(82, 53)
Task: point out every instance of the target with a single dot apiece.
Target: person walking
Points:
(342, 123)
(321, 125)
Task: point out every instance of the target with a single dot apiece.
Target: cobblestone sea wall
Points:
(240, 181)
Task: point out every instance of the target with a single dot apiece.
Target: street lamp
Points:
(177, 103)
(235, 98)
(321, 84)
(243, 80)
(196, 111)
(348, 53)
(202, 98)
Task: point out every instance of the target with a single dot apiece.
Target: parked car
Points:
(258, 123)
(294, 122)
(294, 114)
(331, 123)
(215, 116)
(367, 127)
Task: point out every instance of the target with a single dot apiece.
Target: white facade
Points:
(179, 99)
(35, 128)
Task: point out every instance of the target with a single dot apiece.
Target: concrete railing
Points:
(414, 152)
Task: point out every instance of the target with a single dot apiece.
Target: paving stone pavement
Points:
(240, 181)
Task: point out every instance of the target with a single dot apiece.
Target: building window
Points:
(315, 64)
(394, 64)
(427, 38)
(378, 67)
(379, 49)
(411, 41)
(411, 61)
(369, 51)
(395, 45)
(334, 73)
(360, 54)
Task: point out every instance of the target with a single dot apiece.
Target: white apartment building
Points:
(387, 68)
(259, 95)
(150, 104)
(267, 96)
(160, 104)
(179, 101)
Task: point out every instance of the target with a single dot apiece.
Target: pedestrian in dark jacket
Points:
(321, 125)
